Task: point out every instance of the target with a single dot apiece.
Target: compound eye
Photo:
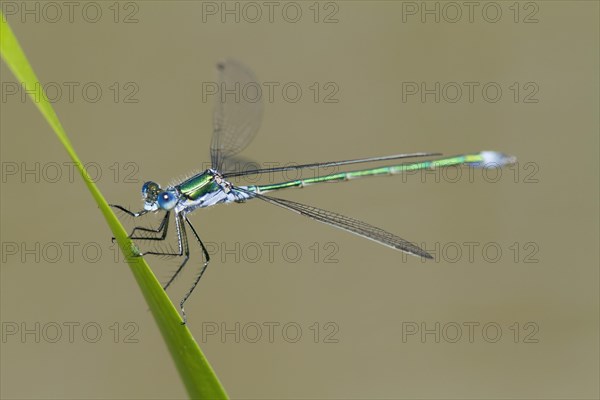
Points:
(150, 190)
(167, 200)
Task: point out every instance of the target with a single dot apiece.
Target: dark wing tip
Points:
(414, 250)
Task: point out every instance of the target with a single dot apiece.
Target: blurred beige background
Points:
(369, 316)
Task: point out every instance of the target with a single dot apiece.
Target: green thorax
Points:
(198, 185)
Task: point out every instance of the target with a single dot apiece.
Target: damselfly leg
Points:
(207, 260)
(162, 228)
(182, 245)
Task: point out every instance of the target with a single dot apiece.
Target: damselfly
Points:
(236, 120)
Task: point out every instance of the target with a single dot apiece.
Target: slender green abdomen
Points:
(472, 159)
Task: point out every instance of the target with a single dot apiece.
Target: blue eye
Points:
(167, 200)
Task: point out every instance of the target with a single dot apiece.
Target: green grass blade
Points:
(195, 371)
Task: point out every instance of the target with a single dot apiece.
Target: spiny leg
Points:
(164, 227)
(131, 213)
(207, 257)
(184, 247)
(128, 212)
(164, 224)
(182, 242)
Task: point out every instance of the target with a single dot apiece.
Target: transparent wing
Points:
(237, 113)
(349, 224)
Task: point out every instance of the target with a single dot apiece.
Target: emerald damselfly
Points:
(235, 122)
